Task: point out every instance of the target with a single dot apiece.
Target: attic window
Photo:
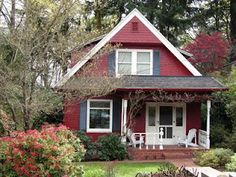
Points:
(135, 26)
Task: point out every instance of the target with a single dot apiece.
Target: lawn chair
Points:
(189, 138)
(134, 139)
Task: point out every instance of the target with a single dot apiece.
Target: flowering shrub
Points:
(53, 151)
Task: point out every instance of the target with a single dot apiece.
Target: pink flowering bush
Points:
(52, 152)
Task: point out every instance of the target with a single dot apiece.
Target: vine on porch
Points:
(138, 98)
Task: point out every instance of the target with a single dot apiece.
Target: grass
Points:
(122, 169)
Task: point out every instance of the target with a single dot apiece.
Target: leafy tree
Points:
(231, 106)
(212, 16)
(233, 30)
(209, 51)
(35, 49)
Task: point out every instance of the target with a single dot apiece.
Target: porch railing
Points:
(156, 137)
(202, 138)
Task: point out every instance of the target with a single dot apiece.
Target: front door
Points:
(169, 116)
(166, 122)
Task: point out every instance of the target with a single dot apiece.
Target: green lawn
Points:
(121, 169)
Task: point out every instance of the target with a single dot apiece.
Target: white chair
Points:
(134, 139)
(192, 134)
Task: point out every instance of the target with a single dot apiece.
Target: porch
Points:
(166, 126)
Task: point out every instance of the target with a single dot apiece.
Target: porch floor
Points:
(168, 152)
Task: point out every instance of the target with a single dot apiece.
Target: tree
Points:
(35, 50)
(233, 30)
(213, 16)
(209, 51)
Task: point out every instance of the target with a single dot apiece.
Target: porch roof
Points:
(172, 83)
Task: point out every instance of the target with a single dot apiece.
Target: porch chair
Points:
(189, 138)
(134, 140)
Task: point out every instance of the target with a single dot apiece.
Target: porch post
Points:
(125, 115)
(208, 123)
(123, 120)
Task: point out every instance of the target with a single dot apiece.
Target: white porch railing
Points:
(157, 139)
(203, 139)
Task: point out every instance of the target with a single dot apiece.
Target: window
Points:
(143, 63)
(99, 116)
(134, 62)
(179, 116)
(124, 63)
(151, 116)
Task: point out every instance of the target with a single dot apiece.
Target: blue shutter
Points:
(83, 115)
(156, 62)
(112, 63)
(116, 115)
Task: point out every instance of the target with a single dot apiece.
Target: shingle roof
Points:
(175, 83)
(172, 82)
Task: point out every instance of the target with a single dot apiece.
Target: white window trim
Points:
(99, 130)
(134, 60)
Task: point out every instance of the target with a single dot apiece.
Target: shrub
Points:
(207, 159)
(111, 148)
(224, 155)
(215, 158)
(53, 151)
(90, 147)
(55, 117)
(219, 136)
(231, 166)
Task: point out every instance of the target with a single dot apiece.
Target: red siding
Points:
(170, 65)
(71, 114)
(77, 54)
(96, 67)
(193, 116)
(143, 35)
(139, 125)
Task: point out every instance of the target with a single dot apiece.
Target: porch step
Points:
(155, 154)
(177, 155)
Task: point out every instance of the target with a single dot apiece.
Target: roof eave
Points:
(174, 89)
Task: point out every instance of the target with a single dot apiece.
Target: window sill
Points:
(98, 131)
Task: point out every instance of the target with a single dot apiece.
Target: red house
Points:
(146, 61)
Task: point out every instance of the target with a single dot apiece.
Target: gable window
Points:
(99, 116)
(134, 62)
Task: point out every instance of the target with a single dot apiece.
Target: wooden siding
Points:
(142, 35)
(71, 114)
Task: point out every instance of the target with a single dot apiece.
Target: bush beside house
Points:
(218, 158)
(53, 151)
(108, 147)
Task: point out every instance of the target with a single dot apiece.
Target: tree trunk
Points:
(98, 16)
(13, 16)
(233, 30)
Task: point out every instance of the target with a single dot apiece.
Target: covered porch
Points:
(162, 125)
(169, 112)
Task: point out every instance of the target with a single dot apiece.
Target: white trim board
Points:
(115, 30)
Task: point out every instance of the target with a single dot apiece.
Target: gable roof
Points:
(115, 30)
